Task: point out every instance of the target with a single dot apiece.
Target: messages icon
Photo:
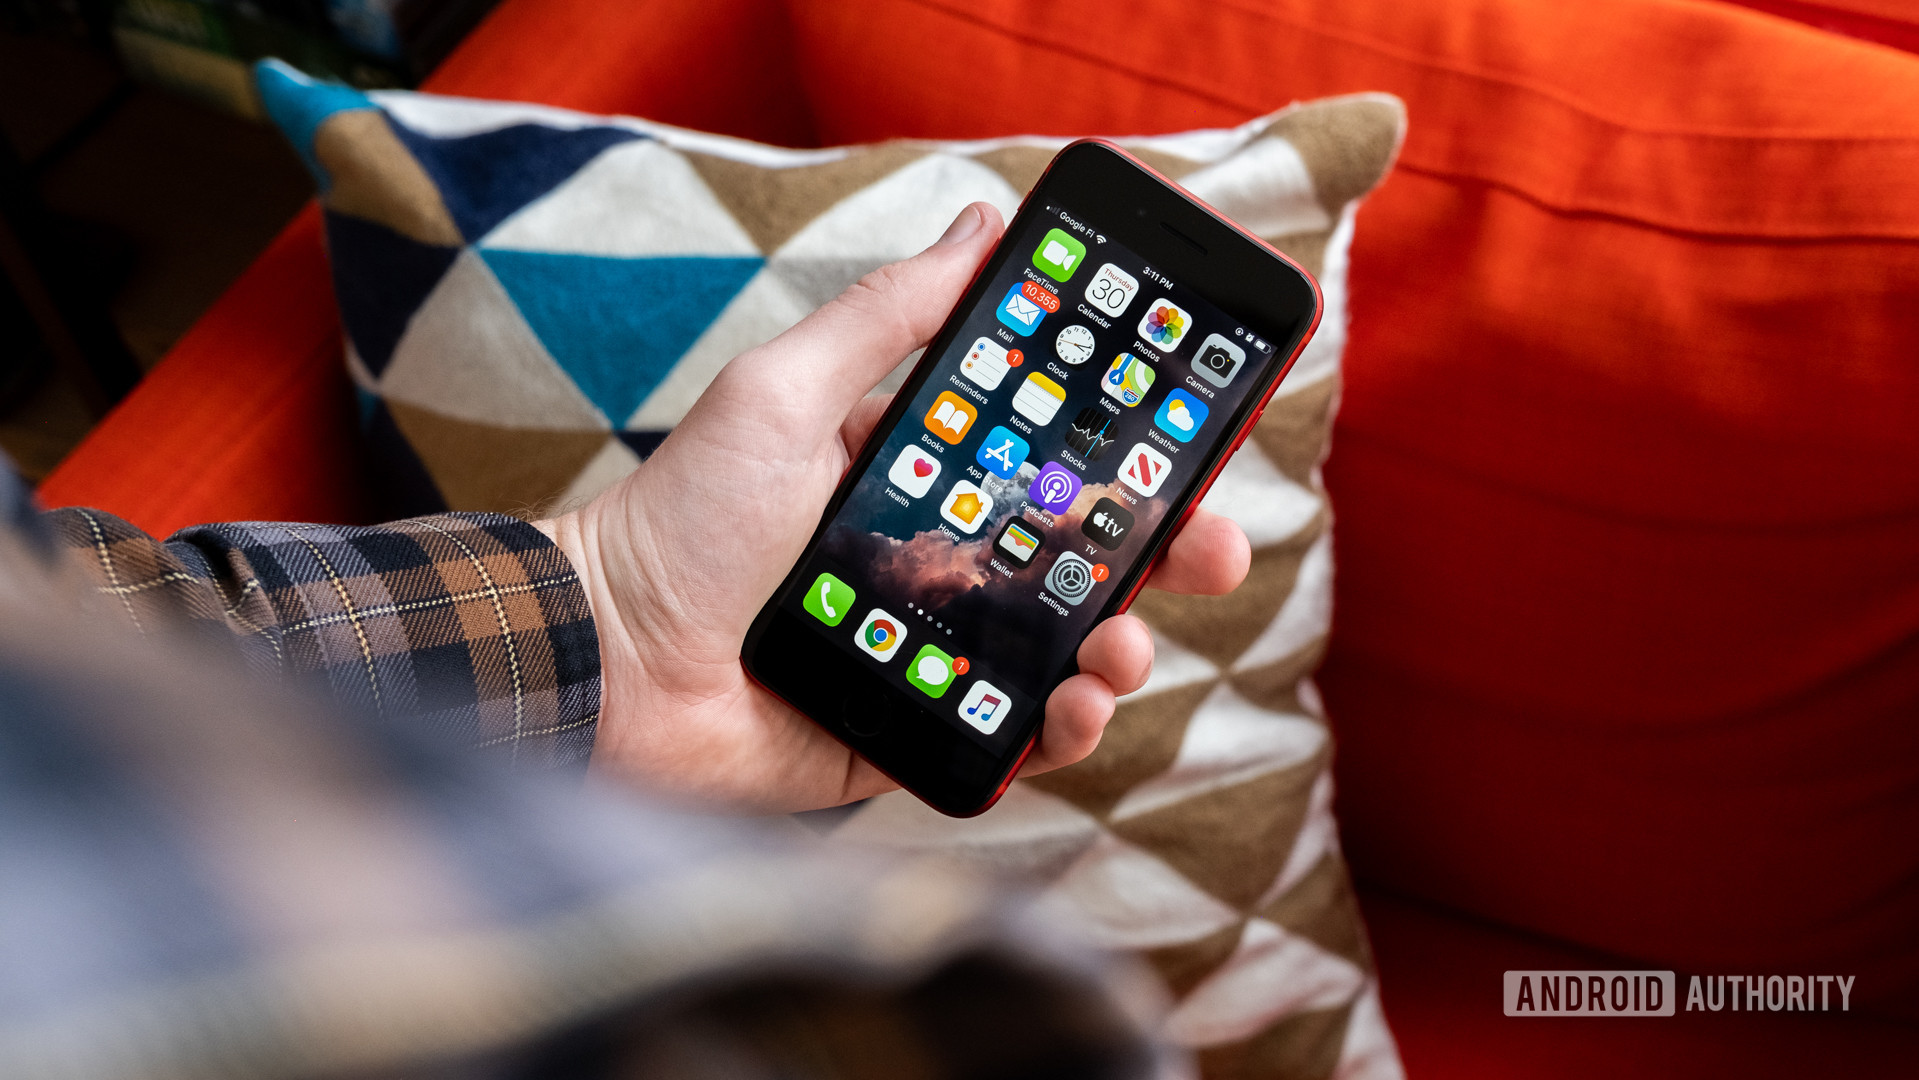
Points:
(931, 671)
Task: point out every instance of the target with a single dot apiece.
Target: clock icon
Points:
(1074, 344)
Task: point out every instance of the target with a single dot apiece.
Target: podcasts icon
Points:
(1054, 488)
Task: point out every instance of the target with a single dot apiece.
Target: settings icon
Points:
(1071, 578)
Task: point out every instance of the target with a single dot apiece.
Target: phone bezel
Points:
(1139, 209)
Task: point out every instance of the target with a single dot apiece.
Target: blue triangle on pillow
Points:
(380, 279)
(617, 326)
(484, 178)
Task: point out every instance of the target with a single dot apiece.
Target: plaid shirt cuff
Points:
(474, 625)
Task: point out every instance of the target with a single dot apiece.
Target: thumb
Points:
(830, 359)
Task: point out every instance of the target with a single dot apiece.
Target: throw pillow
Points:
(533, 297)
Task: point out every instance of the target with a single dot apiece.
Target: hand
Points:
(679, 557)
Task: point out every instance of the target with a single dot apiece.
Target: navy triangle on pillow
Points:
(380, 279)
(399, 478)
(643, 443)
(484, 178)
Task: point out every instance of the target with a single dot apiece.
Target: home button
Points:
(865, 712)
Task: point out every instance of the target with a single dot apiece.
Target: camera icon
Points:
(1218, 360)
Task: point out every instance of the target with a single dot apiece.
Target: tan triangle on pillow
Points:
(1321, 908)
(1141, 741)
(1220, 627)
(772, 205)
(482, 467)
(1231, 841)
(376, 178)
(1348, 143)
(1183, 966)
(1276, 685)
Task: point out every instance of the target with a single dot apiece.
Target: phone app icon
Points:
(1145, 469)
(986, 363)
(1181, 415)
(966, 506)
(1059, 255)
(1018, 542)
(1039, 398)
(1002, 453)
(880, 635)
(1111, 289)
(950, 417)
(1055, 488)
(1128, 380)
(931, 671)
(1086, 435)
(914, 471)
(1024, 305)
(984, 706)
(1108, 525)
(1071, 578)
(1165, 324)
(829, 599)
(1218, 360)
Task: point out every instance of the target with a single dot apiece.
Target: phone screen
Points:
(1027, 475)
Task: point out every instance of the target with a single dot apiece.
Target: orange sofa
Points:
(1626, 648)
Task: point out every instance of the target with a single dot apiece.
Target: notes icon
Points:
(1039, 398)
(984, 706)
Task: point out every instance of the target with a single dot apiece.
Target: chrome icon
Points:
(880, 635)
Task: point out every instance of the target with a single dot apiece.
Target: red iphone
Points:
(1111, 354)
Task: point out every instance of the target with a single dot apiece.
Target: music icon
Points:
(984, 706)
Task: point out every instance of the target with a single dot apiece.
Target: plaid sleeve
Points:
(474, 625)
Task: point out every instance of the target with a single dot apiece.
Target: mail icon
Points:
(1019, 314)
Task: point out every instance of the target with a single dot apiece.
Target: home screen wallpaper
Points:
(1027, 475)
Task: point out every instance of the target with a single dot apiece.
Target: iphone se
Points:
(1111, 354)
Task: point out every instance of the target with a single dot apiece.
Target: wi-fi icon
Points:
(1101, 239)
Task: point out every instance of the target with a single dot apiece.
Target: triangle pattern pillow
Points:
(532, 298)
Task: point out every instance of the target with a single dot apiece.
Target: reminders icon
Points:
(986, 363)
(1039, 399)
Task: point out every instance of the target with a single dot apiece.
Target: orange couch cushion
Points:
(1626, 472)
(1888, 22)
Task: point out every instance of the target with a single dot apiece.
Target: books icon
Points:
(949, 417)
(1039, 398)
